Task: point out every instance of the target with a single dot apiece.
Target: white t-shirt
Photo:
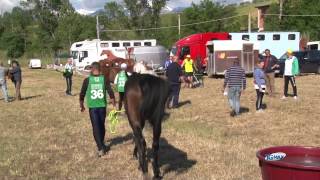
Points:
(288, 66)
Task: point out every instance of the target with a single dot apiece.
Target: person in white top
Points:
(68, 73)
(291, 69)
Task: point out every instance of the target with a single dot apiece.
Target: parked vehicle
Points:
(35, 64)
(195, 45)
(154, 56)
(84, 53)
(309, 61)
(314, 45)
(277, 42)
(222, 55)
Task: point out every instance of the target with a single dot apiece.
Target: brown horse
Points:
(111, 66)
(145, 99)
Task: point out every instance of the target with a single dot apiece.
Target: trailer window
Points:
(276, 37)
(78, 45)
(184, 51)
(245, 37)
(104, 45)
(313, 47)
(137, 44)
(291, 37)
(115, 44)
(147, 43)
(126, 44)
(261, 37)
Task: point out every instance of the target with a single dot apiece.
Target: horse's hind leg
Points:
(141, 148)
(155, 149)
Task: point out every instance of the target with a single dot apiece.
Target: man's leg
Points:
(293, 84)
(237, 101)
(102, 119)
(70, 83)
(271, 81)
(258, 99)
(18, 92)
(286, 83)
(231, 98)
(5, 92)
(175, 98)
(67, 82)
(121, 96)
(268, 84)
(95, 122)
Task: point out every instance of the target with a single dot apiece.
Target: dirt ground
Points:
(45, 136)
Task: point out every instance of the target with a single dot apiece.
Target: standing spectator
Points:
(175, 76)
(188, 69)
(235, 81)
(168, 62)
(16, 77)
(120, 82)
(3, 82)
(291, 69)
(68, 73)
(259, 84)
(270, 64)
(94, 89)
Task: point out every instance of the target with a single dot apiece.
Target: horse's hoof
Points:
(146, 177)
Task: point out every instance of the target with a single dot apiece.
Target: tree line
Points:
(47, 28)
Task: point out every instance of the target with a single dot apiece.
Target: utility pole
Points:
(98, 27)
(179, 25)
(281, 9)
(249, 23)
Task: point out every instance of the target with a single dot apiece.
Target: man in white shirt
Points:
(3, 82)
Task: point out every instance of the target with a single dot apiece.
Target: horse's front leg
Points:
(135, 151)
(155, 150)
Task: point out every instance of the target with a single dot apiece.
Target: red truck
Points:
(195, 45)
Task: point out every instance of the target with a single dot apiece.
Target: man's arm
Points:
(244, 81)
(226, 79)
(83, 93)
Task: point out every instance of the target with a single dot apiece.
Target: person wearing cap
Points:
(168, 62)
(270, 64)
(291, 69)
(120, 81)
(188, 69)
(68, 73)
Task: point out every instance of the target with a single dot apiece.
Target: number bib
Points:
(121, 82)
(96, 92)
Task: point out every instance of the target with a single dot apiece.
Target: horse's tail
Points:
(155, 92)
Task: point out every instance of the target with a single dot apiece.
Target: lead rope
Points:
(113, 118)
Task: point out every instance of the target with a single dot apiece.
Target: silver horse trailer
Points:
(222, 54)
(153, 56)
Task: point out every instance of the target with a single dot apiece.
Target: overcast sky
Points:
(91, 5)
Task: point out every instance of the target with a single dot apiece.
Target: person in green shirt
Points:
(120, 82)
(94, 89)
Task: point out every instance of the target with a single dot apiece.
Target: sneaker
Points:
(101, 153)
(259, 111)
(295, 98)
(284, 97)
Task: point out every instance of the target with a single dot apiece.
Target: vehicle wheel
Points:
(87, 68)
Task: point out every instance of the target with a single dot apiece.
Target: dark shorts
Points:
(188, 74)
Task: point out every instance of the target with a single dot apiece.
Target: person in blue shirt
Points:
(168, 62)
(259, 84)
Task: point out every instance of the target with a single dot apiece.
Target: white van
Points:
(35, 64)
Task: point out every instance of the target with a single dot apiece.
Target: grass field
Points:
(46, 137)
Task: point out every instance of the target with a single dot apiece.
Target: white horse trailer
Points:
(222, 55)
(84, 53)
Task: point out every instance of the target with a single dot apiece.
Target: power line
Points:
(169, 27)
(294, 15)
